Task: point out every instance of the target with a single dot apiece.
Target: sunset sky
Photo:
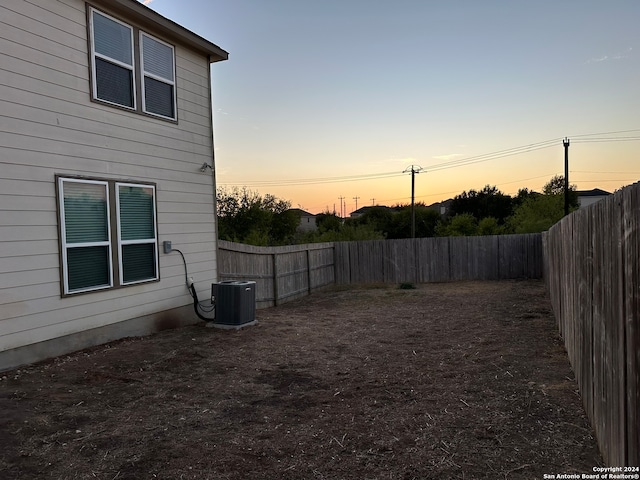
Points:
(336, 98)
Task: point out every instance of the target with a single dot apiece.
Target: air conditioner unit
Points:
(235, 303)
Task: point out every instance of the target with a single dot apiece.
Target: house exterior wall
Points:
(49, 126)
(586, 201)
(307, 223)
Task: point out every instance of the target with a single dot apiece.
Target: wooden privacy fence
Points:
(440, 259)
(592, 269)
(280, 273)
(285, 273)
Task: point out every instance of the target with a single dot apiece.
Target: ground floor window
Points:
(108, 234)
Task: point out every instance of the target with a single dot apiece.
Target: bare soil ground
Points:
(460, 380)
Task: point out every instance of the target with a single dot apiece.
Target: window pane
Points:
(139, 262)
(157, 57)
(114, 83)
(85, 212)
(112, 39)
(158, 97)
(136, 213)
(88, 267)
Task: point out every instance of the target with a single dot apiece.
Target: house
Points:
(442, 207)
(588, 197)
(307, 220)
(106, 152)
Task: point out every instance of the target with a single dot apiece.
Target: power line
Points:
(607, 180)
(605, 133)
(374, 176)
(610, 139)
(311, 181)
(582, 138)
(527, 179)
(494, 155)
(591, 171)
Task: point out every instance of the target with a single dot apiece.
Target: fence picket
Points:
(591, 266)
(299, 269)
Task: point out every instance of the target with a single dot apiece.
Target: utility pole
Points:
(565, 142)
(413, 169)
(341, 198)
(356, 199)
(373, 202)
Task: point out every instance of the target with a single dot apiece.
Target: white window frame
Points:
(94, 54)
(144, 74)
(63, 236)
(113, 237)
(122, 242)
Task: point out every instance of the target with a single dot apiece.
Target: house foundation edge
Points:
(135, 327)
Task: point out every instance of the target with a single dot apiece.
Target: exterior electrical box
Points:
(235, 303)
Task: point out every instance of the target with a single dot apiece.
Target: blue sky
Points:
(345, 89)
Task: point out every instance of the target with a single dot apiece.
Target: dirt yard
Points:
(447, 381)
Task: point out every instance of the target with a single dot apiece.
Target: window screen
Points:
(112, 39)
(158, 97)
(113, 83)
(158, 58)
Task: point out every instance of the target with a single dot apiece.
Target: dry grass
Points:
(460, 380)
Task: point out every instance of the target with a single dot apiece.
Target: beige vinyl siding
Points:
(49, 126)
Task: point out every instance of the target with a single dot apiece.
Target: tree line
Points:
(245, 216)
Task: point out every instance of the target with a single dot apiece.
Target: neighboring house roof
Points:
(596, 192)
(301, 212)
(363, 210)
(589, 197)
(148, 18)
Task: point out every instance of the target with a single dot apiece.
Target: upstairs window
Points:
(158, 92)
(127, 63)
(112, 52)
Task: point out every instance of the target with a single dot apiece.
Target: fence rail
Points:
(286, 273)
(592, 269)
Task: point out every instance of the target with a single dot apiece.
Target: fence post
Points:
(275, 279)
(309, 270)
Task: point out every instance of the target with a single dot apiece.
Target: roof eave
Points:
(149, 18)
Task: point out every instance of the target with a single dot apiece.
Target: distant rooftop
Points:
(363, 210)
(596, 192)
(301, 212)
